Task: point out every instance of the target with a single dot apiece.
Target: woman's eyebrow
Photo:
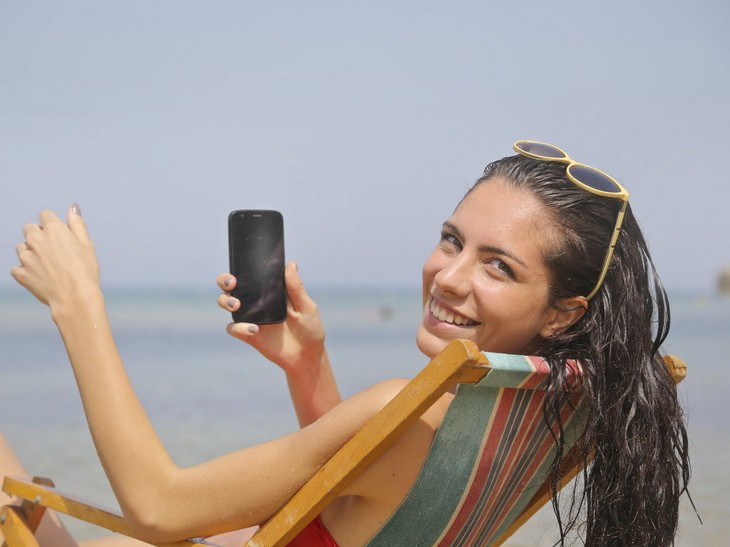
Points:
(496, 250)
(490, 249)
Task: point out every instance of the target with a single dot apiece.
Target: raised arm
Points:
(162, 501)
(296, 345)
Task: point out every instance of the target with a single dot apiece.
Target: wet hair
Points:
(634, 448)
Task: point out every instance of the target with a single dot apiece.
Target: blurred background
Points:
(363, 122)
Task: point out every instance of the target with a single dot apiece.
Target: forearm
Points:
(130, 450)
(313, 389)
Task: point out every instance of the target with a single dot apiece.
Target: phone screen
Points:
(256, 254)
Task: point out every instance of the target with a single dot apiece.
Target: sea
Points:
(208, 393)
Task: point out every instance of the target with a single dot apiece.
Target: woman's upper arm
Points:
(391, 475)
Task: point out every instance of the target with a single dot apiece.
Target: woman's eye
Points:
(501, 267)
(450, 239)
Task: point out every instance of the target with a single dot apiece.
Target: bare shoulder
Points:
(401, 463)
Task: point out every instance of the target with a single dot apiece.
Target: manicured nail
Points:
(76, 209)
(231, 302)
(253, 329)
(227, 281)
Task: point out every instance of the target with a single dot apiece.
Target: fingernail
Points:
(231, 302)
(227, 281)
(76, 209)
(253, 329)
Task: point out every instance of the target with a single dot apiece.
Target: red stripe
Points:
(494, 440)
(526, 453)
(509, 480)
(491, 442)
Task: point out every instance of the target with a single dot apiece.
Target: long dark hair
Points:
(635, 446)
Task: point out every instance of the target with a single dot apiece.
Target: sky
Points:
(362, 122)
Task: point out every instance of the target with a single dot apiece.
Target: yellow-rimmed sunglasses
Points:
(591, 180)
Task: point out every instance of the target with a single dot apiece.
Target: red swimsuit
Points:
(314, 534)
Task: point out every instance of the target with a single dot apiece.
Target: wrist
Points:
(308, 363)
(313, 390)
(76, 303)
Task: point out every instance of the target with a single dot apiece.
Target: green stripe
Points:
(424, 514)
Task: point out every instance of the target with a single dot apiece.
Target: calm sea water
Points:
(208, 393)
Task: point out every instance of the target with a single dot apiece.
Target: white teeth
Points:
(448, 316)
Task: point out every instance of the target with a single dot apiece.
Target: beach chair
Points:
(485, 475)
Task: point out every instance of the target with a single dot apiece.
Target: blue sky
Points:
(363, 122)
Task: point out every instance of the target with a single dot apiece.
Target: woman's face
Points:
(486, 280)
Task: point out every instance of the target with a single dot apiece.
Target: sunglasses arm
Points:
(611, 247)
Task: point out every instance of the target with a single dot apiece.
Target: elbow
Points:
(150, 525)
(151, 517)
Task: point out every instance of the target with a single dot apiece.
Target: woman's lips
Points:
(447, 315)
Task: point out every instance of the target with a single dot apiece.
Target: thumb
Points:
(295, 289)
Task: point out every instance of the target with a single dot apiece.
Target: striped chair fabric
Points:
(489, 457)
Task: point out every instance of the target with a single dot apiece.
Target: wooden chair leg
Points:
(15, 528)
(20, 523)
(32, 512)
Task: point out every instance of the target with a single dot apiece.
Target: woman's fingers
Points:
(29, 229)
(47, 217)
(18, 272)
(242, 331)
(19, 248)
(226, 282)
(21, 273)
(229, 303)
(76, 223)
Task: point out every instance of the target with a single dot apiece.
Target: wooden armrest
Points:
(677, 367)
(40, 493)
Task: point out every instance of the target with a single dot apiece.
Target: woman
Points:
(525, 264)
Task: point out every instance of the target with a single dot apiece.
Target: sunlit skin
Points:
(487, 281)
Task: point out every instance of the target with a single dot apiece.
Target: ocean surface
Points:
(208, 393)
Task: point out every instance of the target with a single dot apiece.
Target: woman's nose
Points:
(454, 277)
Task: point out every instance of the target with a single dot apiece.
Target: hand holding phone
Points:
(256, 256)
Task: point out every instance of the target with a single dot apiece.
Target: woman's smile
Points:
(441, 313)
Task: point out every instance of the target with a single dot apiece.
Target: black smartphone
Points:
(256, 256)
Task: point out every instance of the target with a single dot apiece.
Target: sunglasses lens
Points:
(594, 178)
(540, 149)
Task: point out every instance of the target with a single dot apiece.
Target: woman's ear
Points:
(564, 315)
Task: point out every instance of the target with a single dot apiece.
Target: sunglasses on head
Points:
(589, 179)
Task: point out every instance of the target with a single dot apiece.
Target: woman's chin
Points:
(429, 344)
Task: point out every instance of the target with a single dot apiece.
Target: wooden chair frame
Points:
(460, 362)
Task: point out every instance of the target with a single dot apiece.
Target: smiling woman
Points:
(487, 279)
(525, 264)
